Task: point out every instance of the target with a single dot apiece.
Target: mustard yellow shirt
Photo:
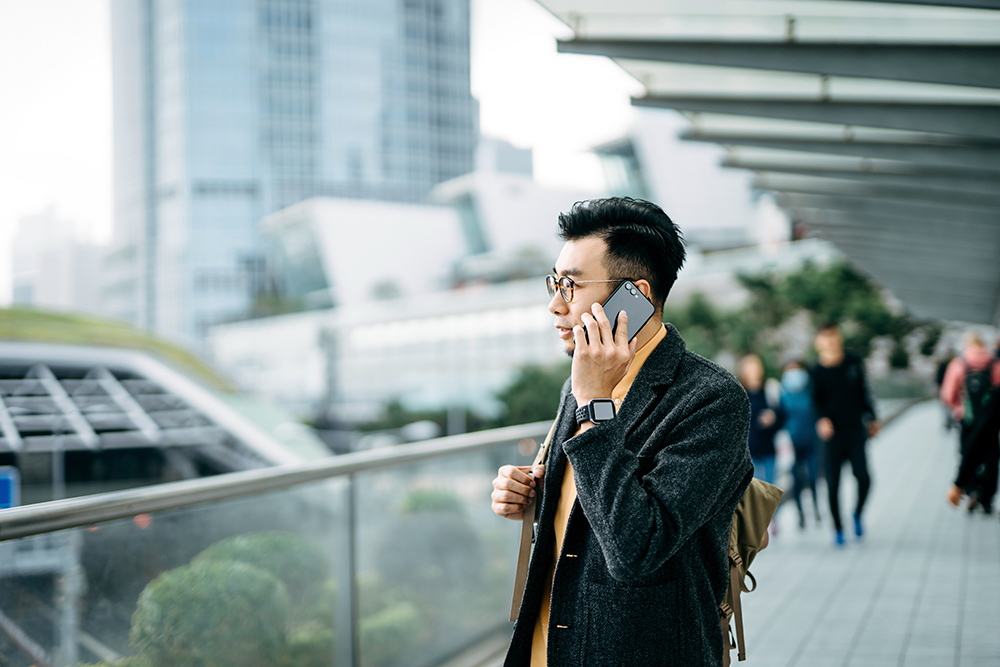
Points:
(567, 498)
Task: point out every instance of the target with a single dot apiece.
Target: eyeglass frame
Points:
(552, 284)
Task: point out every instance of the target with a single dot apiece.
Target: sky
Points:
(56, 111)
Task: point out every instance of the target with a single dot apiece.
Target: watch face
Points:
(603, 410)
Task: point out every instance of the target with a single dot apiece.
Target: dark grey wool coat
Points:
(644, 561)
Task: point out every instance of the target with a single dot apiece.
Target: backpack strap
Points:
(727, 634)
(736, 586)
(527, 532)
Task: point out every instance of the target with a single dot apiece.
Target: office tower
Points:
(228, 110)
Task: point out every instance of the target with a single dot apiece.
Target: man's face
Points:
(829, 342)
(581, 260)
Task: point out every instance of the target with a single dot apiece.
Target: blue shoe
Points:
(858, 530)
(838, 539)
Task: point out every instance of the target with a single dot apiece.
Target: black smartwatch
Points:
(597, 411)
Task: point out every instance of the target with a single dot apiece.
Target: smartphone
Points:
(627, 297)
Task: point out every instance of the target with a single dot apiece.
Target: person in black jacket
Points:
(846, 420)
(635, 504)
(982, 450)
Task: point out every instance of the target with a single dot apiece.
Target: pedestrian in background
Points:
(983, 450)
(798, 412)
(942, 369)
(765, 421)
(969, 384)
(846, 420)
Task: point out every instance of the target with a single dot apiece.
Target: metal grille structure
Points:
(90, 405)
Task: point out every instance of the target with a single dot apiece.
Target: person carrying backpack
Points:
(646, 464)
(970, 384)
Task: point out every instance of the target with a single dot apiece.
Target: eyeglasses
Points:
(566, 284)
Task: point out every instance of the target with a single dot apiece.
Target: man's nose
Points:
(557, 305)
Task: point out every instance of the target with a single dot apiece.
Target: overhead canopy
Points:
(876, 124)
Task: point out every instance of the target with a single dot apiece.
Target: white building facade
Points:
(52, 268)
(455, 347)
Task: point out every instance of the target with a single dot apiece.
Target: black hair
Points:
(828, 325)
(643, 242)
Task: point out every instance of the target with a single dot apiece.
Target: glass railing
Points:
(376, 559)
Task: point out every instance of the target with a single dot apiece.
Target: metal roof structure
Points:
(65, 398)
(877, 124)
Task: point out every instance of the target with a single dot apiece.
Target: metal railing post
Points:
(347, 647)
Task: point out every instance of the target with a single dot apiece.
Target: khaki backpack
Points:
(747, 536)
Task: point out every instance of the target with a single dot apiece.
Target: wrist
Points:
(585, 396)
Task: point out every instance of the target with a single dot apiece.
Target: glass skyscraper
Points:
(228, 110)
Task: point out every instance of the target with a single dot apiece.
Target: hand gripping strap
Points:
(527, 530)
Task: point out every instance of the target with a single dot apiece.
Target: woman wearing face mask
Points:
(799, 414)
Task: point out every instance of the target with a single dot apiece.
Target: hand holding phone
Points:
(598, 368)
(637, 307)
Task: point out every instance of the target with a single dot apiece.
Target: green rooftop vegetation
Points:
(41, 326)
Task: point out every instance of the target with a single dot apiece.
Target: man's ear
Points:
(644, 287)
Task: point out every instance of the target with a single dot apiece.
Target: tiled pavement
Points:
(921, 589)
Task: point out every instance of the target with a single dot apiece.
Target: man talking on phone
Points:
(647, 462)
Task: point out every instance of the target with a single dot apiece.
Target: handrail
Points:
(81, 511)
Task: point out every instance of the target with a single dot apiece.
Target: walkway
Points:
(922, 589)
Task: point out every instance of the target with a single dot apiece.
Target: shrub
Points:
(298, 563)
(321, 607)
(310, 645)
(390, 633)
(431, 500)
(211, 614)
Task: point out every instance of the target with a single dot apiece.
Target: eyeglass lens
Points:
(566, 288)
(565, 285)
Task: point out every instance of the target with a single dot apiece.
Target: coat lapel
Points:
(657, 373)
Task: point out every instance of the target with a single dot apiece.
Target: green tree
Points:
(834, 293)
(533, 395)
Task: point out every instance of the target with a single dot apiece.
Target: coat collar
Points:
(661, 366)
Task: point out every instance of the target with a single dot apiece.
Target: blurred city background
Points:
(273, 313)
